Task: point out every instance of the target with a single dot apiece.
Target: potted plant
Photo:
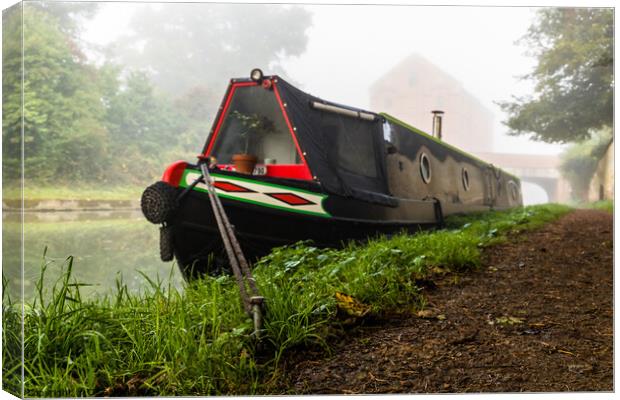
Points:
(254, 125)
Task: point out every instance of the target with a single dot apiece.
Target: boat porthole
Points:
(513, 190)
(465, 178)
(425, 168)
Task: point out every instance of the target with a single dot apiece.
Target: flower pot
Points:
(244, 163)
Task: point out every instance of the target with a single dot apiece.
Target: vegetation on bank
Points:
(605, 205)
(197, 342)
(580, 161)
(79, 191)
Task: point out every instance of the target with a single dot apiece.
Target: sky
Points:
(473, 44)
(351, 46)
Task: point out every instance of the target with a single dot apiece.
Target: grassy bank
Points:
(197, 342)
(605, 205)
(76, 192)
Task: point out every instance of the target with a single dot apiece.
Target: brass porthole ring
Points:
(425, 168)
(465, 178)
(513, 189)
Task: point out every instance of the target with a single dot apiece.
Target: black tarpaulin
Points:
(345, 153)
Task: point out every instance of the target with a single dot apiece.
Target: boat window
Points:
(354, 144)
(254, 124)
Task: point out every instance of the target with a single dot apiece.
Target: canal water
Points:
(106, 247)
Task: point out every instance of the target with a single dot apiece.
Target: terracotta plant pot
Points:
(244, 163)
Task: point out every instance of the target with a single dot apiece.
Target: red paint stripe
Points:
(233, 87)
(290, 198)
(295, 171)
(231, 187)
(242, 84)
(290, 127)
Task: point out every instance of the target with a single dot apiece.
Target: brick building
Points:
(415, 86)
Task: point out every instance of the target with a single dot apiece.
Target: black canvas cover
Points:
(345, 153)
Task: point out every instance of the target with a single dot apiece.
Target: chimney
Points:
(437, 116)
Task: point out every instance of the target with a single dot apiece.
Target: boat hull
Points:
(198, 247)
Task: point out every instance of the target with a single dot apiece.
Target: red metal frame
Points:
(174, 172)
(294, 171)
(220, 121)
(288, 123)
(291, 171)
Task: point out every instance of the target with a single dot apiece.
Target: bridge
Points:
(541, 170)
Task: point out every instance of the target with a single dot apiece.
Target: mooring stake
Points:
(257, 315)
(253, 305)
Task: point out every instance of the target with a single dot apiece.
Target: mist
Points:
(462, 60)
(349, 48)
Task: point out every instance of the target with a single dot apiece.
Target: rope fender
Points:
(158, 202)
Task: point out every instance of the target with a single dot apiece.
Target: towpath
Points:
(537, 317)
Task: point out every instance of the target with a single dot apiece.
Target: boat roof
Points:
(328, 138)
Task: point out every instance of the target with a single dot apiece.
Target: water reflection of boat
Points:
(325, 172)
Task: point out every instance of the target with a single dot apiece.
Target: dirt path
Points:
(537, 317)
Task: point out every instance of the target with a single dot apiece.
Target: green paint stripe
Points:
(325, 214)
(442, 143)
(227, 196)
(274, 185)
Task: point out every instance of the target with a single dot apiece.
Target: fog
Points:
(349, 47)
(405, 60)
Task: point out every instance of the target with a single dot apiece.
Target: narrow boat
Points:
(288, 166)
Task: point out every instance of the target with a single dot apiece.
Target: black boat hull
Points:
(198, 247)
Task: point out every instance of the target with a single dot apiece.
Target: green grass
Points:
(197, 342)
(77, 192)
(605, 205)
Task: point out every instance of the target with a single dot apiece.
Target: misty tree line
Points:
(573, 96)
(121, 120)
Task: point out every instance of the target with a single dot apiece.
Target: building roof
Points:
(416, 62)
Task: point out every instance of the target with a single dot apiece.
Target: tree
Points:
(197, 109)
(12, 92)
(579, 162)
(81, 123)
(143, 129)
(191, 50)
(574, 76)
(62, 113)
(68, 14)
(110, 123)
(189, 45)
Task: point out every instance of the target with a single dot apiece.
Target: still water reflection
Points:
(106, 246)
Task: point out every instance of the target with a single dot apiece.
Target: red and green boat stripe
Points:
(259, 193)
